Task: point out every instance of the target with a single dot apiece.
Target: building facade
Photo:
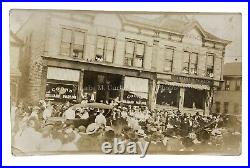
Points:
(16, 50)
(167, 62)
(228, 97)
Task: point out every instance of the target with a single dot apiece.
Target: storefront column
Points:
(80, 86)
(151, 97)
(122, 89)
(181, 98)
(209, 101)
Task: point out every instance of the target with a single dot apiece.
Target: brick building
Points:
(228, 97)
(170, 62)
(16, 50)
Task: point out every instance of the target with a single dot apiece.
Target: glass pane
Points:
(79, 37)
(66, 35)
(99, 52)
(78, 51)
(194, 58)
(210, 60)
(138, 62)
(100, 42)
(169, 53)
(109, 56)
(128, 61)
(65, 48)
(130, 47)
(167, 66)
(110, 44)
(140, 49)
(186, 57)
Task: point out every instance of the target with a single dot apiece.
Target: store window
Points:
(190, 62)
(217, 107)
(135, 91)
(227, 84)
(210, 65)
(226, 104)
(72, 43)
(168, 62)
(105, 49)
(62, 84)
(194, 98)
(238, 84)
(167, 95)
(134, 53)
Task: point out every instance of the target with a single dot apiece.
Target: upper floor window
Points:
(238, 84)
(210, 65)
(105, 49)
(168, 61)
(190, 62)
(72, 43)
(227, 84)
(134, 53)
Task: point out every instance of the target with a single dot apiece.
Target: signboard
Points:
(188, 80)
(61, 92)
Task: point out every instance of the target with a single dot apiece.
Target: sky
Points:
(225, 26)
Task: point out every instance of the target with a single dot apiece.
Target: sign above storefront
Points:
(188, 80)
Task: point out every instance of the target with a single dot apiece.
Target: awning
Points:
(185, 85)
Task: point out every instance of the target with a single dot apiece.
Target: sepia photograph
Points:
(131, 83)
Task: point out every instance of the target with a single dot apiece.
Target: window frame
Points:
(72, 42)
(212, 67)
(166, 59)
(134, 54)
(190, 63)
(105, 49)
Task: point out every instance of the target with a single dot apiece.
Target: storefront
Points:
(62, 84)
(189, 95)
(136, 91)
(105, 87)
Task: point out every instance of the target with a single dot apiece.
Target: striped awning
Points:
(185, 85)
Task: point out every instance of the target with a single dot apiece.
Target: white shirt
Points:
(69, 114)
(47, 113)
(100, 119)
(85, 116)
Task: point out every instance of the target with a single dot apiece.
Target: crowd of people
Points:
(49, 127)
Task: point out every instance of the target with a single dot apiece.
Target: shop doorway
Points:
(104, 86)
